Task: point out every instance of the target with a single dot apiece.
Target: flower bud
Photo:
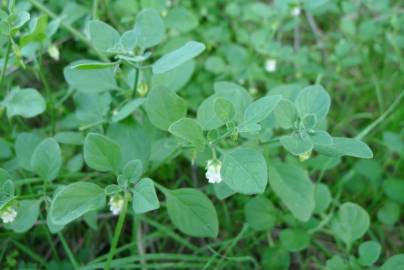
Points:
(270, 65)
(305, 156)
(53, 52)
(295, 11)
(116, 204)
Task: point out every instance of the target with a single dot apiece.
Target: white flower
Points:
(295, 11)
(270, 65)
(8, 215)
(213, 171)
(116, 204)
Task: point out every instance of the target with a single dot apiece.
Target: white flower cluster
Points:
(8, 215)
(116, 204)
(270, 65)
(213, 171)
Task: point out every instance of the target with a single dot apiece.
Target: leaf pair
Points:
(149, 31)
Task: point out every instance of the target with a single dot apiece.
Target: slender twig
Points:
(117, 233)
(69, 28)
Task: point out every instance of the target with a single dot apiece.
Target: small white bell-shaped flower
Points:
(116, 204)
(8, 215)
(213, 171)
(270, 65)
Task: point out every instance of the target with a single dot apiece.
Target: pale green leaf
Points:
(90, 80)
(101, 153)
(127, 109)
(189, 130)
(24, 102)
(133, 170)
(164, 107)
(285, 114)
(178, 57)
(144, 196)
(350, 223)
(46, 160)
(261, 108)
(369, 252)
(75, 200)
(149, 28)
(295, 189)
(102, 35)
(244, 170)
(297, 144)
(313, 100)
(260, 213)
(25, 145)
(346, 147)
(192, 212)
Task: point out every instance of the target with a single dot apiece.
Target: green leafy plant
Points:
(200, 135)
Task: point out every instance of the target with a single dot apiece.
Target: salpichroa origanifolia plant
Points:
(128, 100)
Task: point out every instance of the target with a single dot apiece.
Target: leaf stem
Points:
(3, 72)
(49, 96)
(137, 71)
(117, 233)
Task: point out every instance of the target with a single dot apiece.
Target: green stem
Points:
(68, 251)
(137, 71)
(69, 28)
(49, 96)
(3, 72)
(117, 233)
(226, 251)
(95, 9)
(380, 119)
(29, 252)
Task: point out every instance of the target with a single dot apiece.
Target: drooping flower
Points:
(8, 215)
(116, 204)
(270, 65)
(213, 171)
